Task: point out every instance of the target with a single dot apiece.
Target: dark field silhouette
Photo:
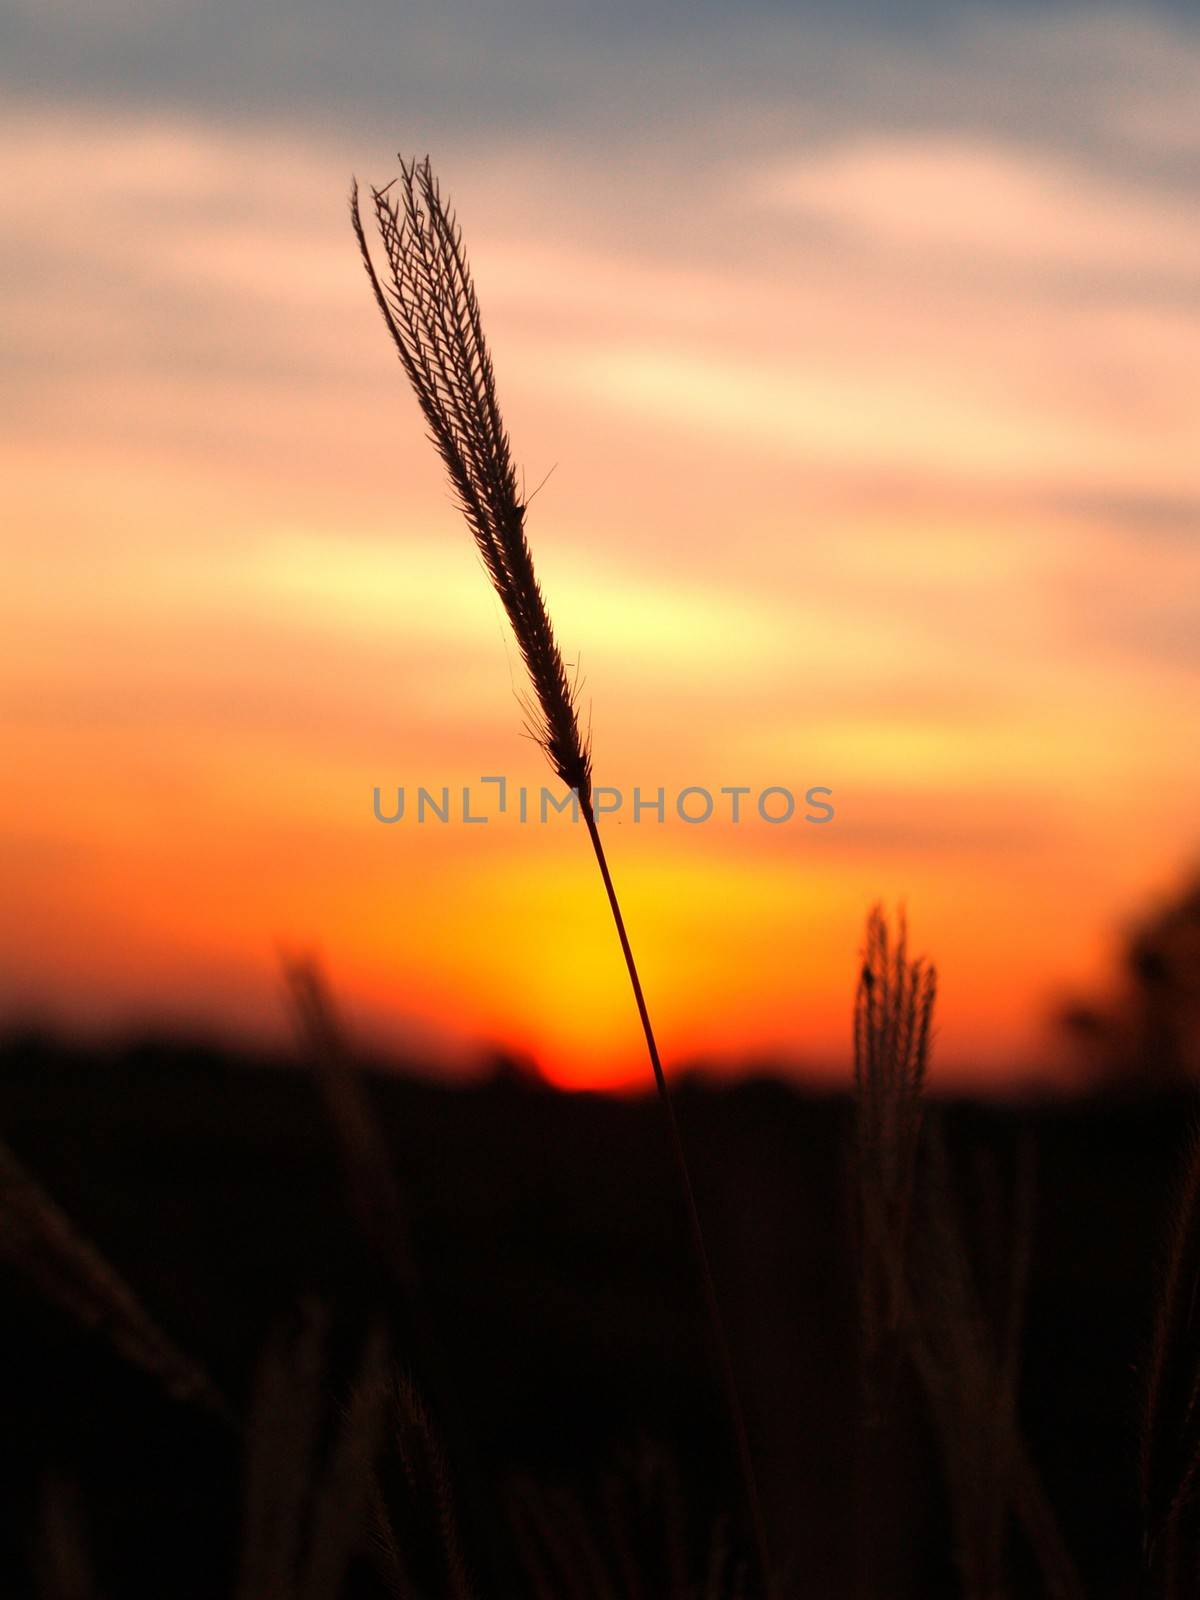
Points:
(551, 1334)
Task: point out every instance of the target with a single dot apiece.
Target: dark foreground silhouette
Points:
(550, 1328)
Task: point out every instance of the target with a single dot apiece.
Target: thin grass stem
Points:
(432, 314)
(737, 1416)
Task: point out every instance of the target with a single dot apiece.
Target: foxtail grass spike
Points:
(432, 314)
(430, 309)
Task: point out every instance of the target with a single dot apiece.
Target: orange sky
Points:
(875, 467)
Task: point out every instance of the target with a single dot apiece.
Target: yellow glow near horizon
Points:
(853, 489)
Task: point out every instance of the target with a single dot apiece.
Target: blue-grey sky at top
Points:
(589, 70)
(667, 92)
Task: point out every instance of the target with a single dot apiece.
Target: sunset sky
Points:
(865, 356)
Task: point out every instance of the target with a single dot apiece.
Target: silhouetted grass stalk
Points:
(893, 1014)
(44, 1245)
(432, 315)
(893, 1017)
(1170, 1455)
(375, 1197)
(919, 1295)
